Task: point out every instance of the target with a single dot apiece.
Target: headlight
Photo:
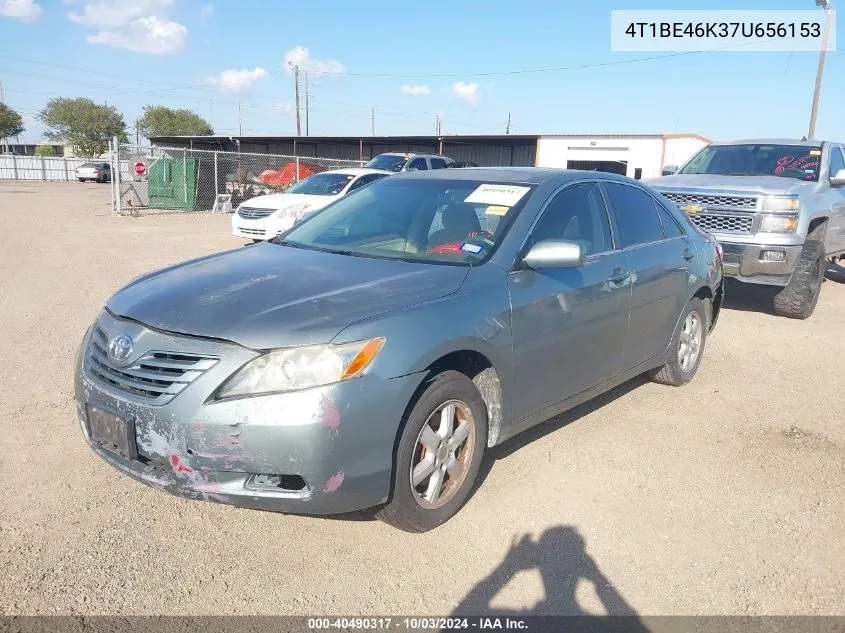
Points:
(780, 203)
(778, 223)
(294, 211)
(301, 367)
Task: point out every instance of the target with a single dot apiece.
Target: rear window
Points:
(91, 165)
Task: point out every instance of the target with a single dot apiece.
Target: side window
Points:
(417, 163)
(363, 180)
(836, 162)
(437, 163)
(635, 213)
(671, 228)
(576, 214)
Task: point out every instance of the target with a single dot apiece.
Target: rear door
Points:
(661, 261)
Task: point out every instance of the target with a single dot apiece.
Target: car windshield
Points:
(389, 162)
(91, 166)
(789, 161)
(322, 184)
(437, 221)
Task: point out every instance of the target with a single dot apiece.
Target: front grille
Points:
(723, 223)
(156, 376)
(707, 200)
(250, 213)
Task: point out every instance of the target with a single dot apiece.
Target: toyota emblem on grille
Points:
(121, 347)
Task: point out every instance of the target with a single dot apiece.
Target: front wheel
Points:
(687, 347)
(439, 454)
(798, 299)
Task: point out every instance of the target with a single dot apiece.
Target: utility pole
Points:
(508, 128)
(5, 139)
(211, 113)
(240, 119)
(373, 121)
(137, 135)
(820, 70)
(306, 103)
(296, 90)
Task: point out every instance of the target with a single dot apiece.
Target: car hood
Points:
(267, 295)
(284, 200)
(765, 185)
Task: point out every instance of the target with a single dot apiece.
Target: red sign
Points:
(140, 168)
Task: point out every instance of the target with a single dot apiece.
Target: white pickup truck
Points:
(777, 207)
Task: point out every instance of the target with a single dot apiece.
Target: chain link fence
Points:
(161, 179)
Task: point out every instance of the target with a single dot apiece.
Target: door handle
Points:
(688, 254)
(619, 276)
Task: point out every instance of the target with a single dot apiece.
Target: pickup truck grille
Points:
(723, 223)
(748, 203)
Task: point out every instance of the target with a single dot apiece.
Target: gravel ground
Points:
(725, 496)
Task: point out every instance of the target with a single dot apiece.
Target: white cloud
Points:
(109, 13)
(301, 56)
(206, 11)
(26, 10)
(414, 90)
(467, 91)
(149, 35)
(236, 80)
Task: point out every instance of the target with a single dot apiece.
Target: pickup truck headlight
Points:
(781, 203)
(771, 223)
(300, 368)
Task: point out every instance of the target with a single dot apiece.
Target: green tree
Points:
(11, 123)
(84, 125)
(163, 121)
(44, 150)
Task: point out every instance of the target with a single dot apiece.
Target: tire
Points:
(798, 299)
(676, 373)
(414, 509)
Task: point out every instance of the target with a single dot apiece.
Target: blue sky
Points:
(209, 55)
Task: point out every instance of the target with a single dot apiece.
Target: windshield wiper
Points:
(287, 243)
(741, 173)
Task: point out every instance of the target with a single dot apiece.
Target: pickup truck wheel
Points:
(799, 297)
(439, 454)
(687, 347)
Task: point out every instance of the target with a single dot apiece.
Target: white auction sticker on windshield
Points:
(504, 195)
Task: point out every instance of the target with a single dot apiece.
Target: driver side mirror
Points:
(838, 179)
(554, 254)
(668, 170)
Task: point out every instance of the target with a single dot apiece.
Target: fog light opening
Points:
(773, 256)
(290, 483)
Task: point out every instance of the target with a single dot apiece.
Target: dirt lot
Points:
(725, 496)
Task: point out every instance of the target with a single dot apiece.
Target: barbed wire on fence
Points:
(185, 179)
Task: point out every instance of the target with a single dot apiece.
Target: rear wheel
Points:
(687, 347)
(798, 299)
(439, 454)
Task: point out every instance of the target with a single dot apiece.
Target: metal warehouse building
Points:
(634, 155)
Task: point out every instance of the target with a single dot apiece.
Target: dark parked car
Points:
(368, 356)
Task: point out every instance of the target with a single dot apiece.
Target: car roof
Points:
(773, 141)
(355, 171)
(411, 154)
(508, 175)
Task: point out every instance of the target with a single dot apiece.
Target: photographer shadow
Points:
(561, 558)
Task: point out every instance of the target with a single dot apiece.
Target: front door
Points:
(569, 324)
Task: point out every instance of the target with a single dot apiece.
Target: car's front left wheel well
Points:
(478, 368)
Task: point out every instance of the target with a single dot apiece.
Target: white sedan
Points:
(264, 217)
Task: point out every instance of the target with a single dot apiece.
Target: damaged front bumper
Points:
(326, 450)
